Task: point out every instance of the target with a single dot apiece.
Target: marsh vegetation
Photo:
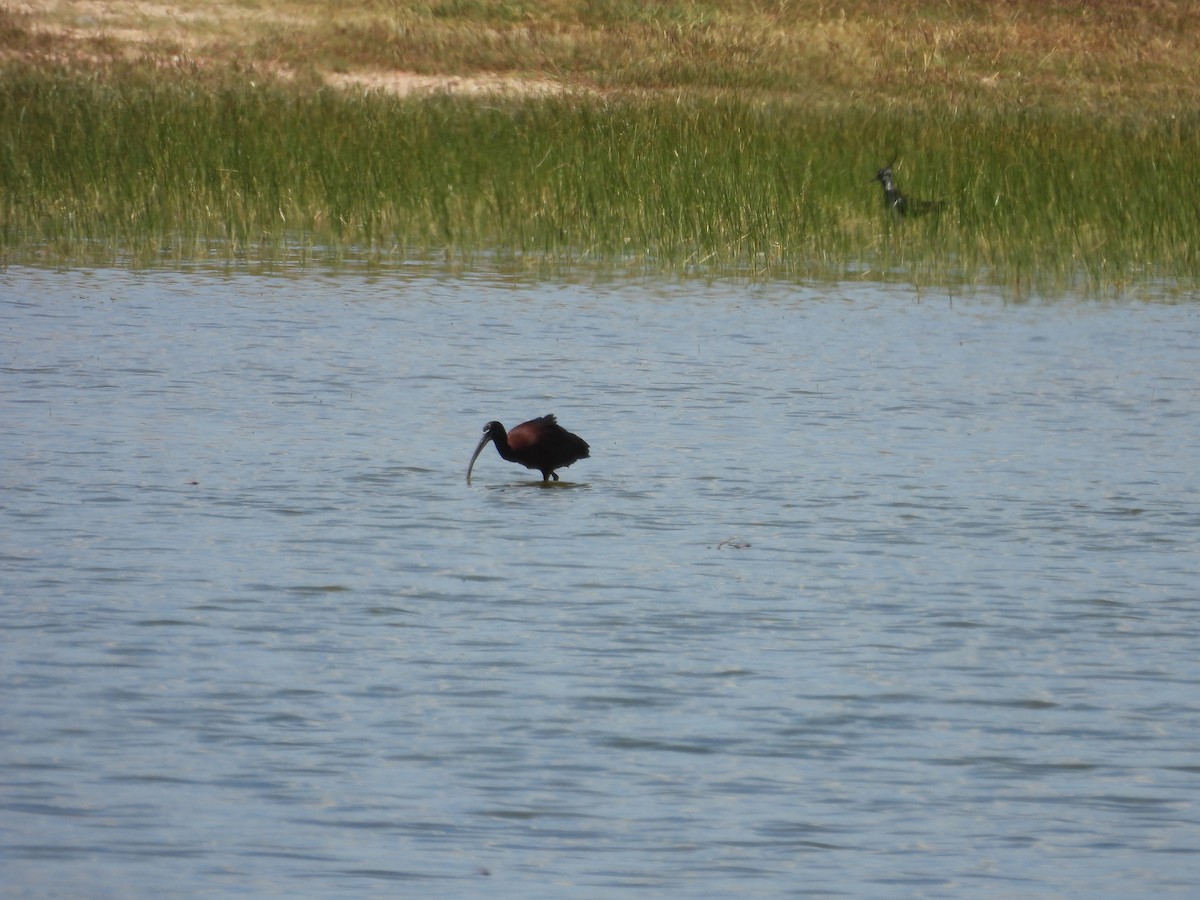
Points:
(679, 137)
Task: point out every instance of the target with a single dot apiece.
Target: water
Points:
(862, 592)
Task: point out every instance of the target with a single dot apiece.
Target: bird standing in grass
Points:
(900, 204)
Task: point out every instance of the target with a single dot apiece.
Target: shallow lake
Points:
(862, 592)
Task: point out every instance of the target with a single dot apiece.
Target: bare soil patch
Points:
(216, 33)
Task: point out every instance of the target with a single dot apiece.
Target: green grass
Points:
(145, 170)
(713, 137)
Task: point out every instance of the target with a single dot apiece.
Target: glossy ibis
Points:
(899, 203)
(540, 444)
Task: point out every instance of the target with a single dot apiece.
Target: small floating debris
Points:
(733, 543)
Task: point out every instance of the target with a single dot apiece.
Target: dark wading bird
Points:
(540, 444)
(900, 204)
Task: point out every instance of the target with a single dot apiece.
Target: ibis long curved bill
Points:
(483, 442)
(540, 444)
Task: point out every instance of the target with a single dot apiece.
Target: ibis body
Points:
(540, 444)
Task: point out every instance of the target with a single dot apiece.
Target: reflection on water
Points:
(860, 593)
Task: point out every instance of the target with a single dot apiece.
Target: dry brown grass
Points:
(1121, 55)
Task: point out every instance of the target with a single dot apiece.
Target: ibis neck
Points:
(503, 448)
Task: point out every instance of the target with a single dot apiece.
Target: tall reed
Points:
(145, 170)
